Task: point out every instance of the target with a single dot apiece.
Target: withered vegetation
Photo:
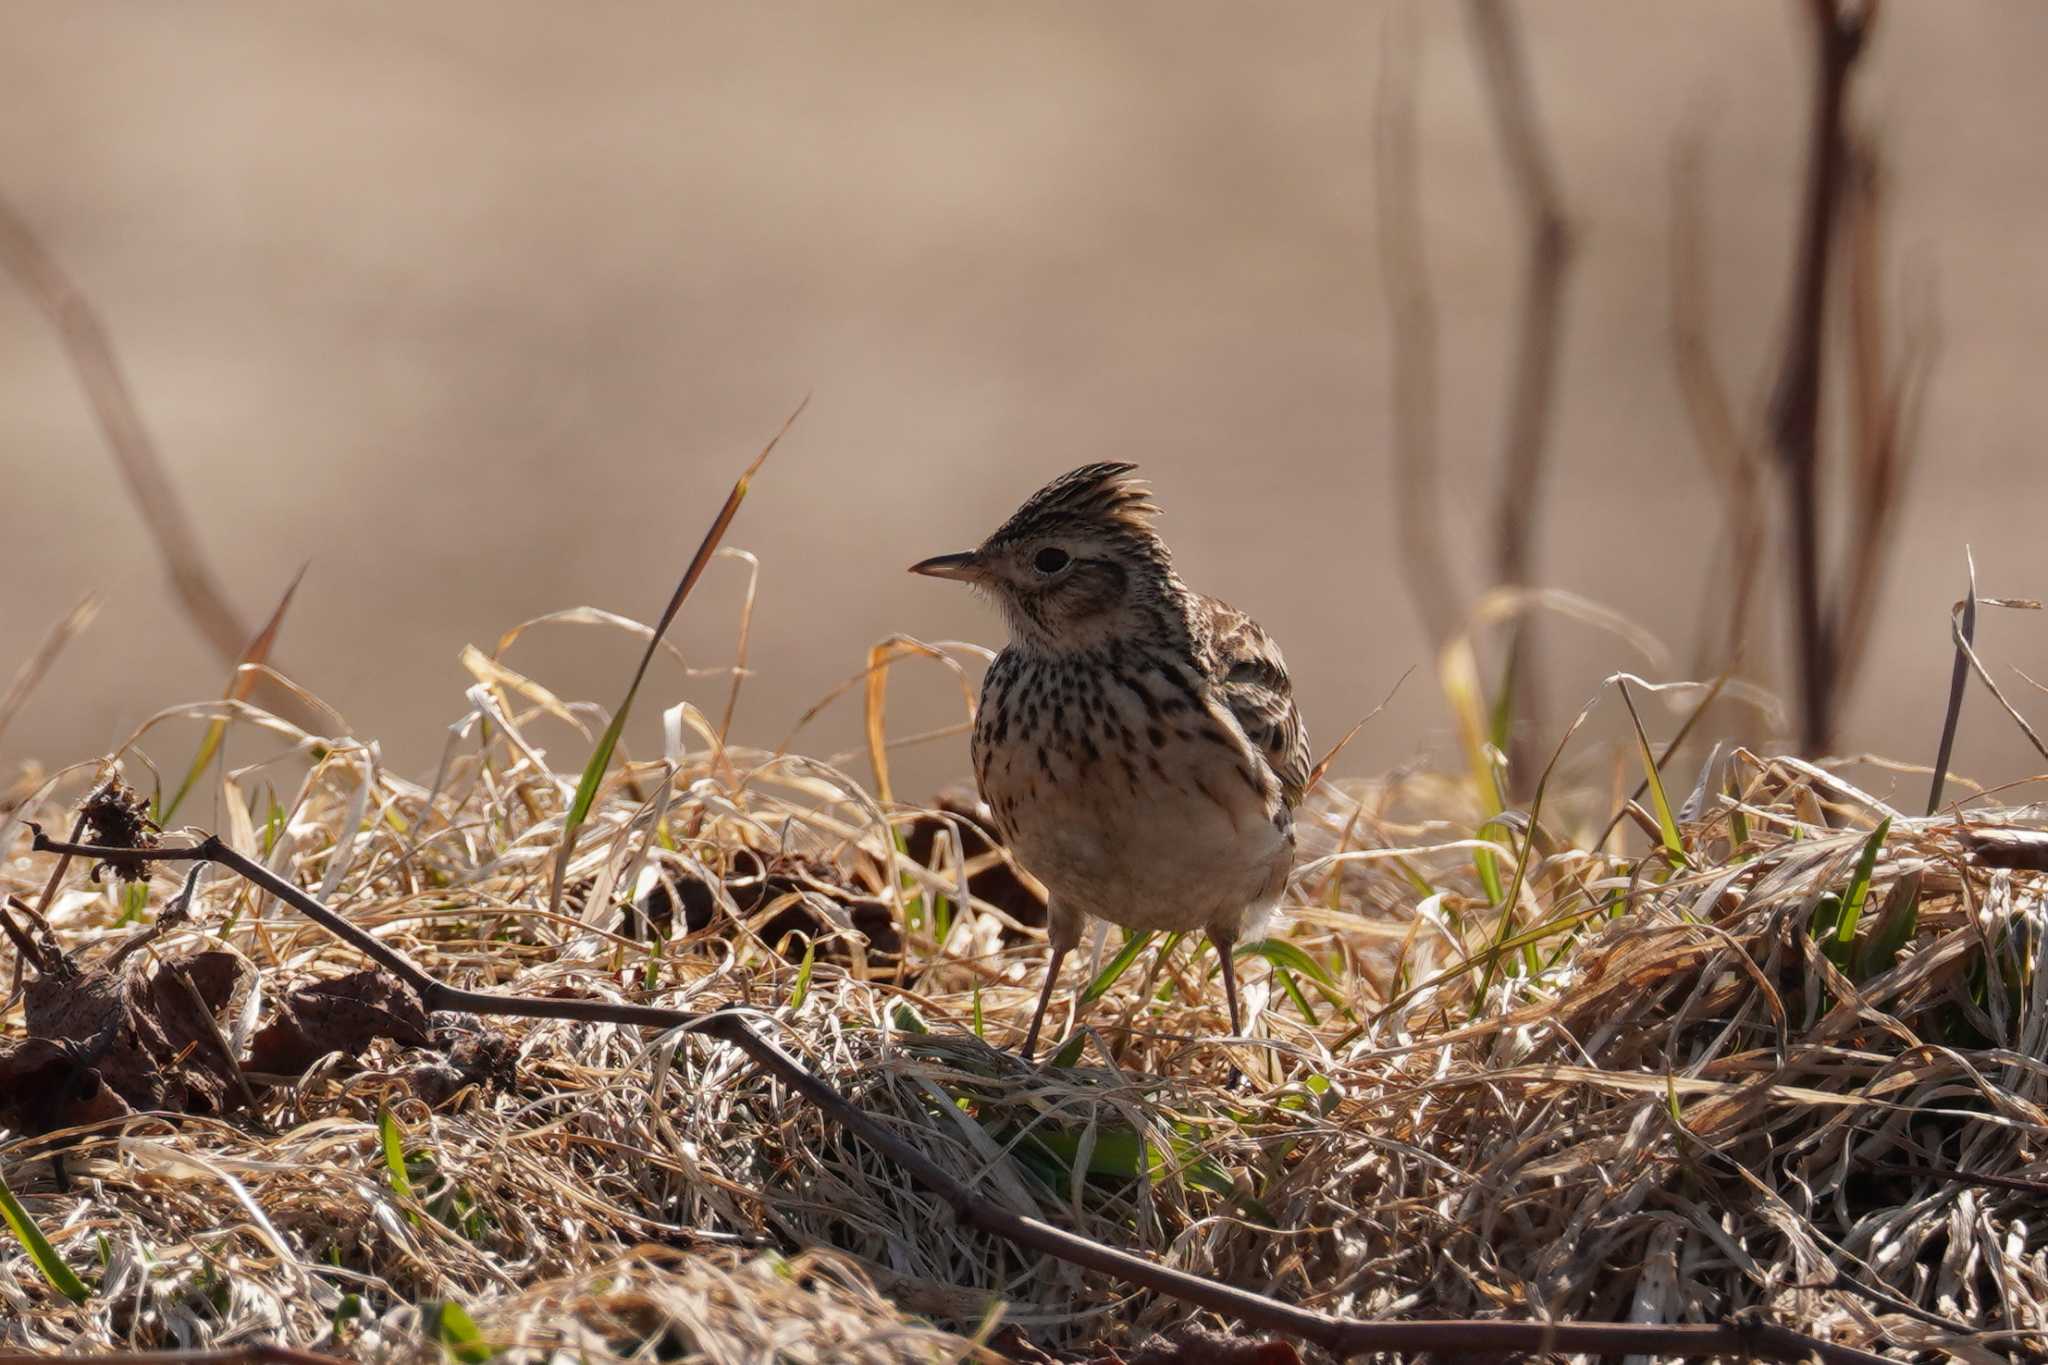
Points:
(1778, 1054)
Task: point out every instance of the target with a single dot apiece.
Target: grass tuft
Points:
(1578, 1077)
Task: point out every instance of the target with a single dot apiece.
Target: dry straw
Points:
(1684, 1094)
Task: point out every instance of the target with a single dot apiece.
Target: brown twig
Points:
(1730, 454)
(31, 672)
(1404, 268)
(1342, 1337)
(1885, 398)
(1795, 403)
(113, 403)
(1964, 617)
(1533, 386)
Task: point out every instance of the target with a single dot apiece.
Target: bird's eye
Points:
(1051, 560)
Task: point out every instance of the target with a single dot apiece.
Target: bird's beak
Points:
(965, 566)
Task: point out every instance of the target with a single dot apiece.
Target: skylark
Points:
(1137, 741)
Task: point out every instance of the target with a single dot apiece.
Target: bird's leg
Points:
(1063, 932)
(1223, 947)
(1224, 944)
(1052, 974)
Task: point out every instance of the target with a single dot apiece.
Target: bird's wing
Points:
(1251, 677)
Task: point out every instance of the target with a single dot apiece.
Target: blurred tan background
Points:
(479, 307)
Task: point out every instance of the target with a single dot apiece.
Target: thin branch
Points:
(1532, 388)
(106, 388)
(1731, 456)
(38, 664)
(1964, 616)
(1965, 648)
(1886, 407)
(1795, 403)
(1404, 268)
(1342, 1337)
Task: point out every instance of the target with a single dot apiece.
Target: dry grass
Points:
(1658, 1092)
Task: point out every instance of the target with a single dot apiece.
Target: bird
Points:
(1137, 743)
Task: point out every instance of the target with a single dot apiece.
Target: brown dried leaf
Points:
(44, 1086)
(2023, 850)
(139, 1030)
(998, 883)
(342, 1015)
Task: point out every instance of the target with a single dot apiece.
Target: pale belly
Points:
(1172, 860)
(1177, 835)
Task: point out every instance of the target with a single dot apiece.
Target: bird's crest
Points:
(1100, 495)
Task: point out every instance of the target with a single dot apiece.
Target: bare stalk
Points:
(1795, 403)
(1418, 497)
(1532, 389)
(99, 372)
(1730, 455)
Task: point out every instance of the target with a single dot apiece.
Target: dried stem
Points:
(113, 403)
(1533, 385)
(1795, 403)
(1418, 518)
(38, 664)
(1730, 455)
(1886, 408)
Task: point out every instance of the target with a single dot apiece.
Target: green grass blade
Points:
(1827, 917)
(1513, 896)
(392, 1139)
(1501, 719)
(1286, 955)
(601, 757)
(1458, 675)
(1895, 928)
(239, 687)
(803, 975)
(1118, 965)
(1667, 824)
(1290, 962)
(1070, 1051)
(1118, 1152)
(1738, 823)
(452, 1326)
(1859, 883)
(61, 1276)
(1293, 989)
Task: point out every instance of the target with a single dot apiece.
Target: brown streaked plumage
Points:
(1137, 741)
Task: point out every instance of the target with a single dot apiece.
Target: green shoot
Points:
(1859, 883)
(61, 1276)
(1667, 824)
(802, 988)
(601, 757)
(1290, 962)
(392, 1140)
(1134, 943)
(239, 687)
(450, 1324)
(1895, 927)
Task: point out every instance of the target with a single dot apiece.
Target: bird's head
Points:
(1078, 563)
